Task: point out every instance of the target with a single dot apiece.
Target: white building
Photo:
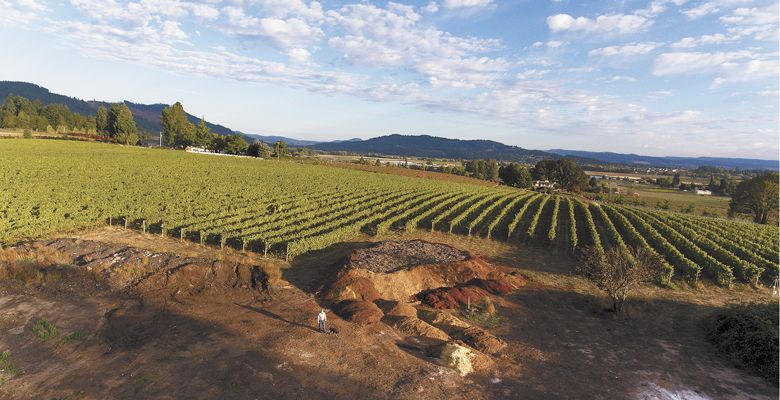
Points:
(543, 185)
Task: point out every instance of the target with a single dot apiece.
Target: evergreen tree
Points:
(176, 129)
(280, 147)
(121, 125)
(203, 134)
(101, 120)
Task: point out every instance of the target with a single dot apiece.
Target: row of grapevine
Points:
(734, 243)
(572, 225)
(553, 229)
(590, 226)
(721, 273)
(537, 215)
(384, 227)
(627, 230)
(485, 212)
(519, 216)
(505, 212)
(612, 233)
(747, 272)
(687, 268)
(414, 222)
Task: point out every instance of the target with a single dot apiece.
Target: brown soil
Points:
(391, 271)
(221, 341)
(358, 311)
(464, 294)
(391, 256)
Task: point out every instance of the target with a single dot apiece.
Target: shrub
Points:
(618, 271)
(748, 334)
(27, 134)
(44, 329)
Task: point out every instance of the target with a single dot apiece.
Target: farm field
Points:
(678, 200)
(286, 209)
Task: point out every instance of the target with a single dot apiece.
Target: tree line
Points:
(179, 132)
(115, 123)
(563, 173)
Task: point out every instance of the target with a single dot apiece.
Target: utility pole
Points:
(160, 138)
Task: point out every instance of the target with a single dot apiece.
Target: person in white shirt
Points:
(321, 320)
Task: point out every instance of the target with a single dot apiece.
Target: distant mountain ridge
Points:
(147, 116)
(671, 162)
(287, 140)
(435, 147)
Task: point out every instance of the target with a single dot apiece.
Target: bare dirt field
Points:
(169, 335)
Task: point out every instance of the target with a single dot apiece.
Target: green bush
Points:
(44, 329)
(27, 134)
(748, 334)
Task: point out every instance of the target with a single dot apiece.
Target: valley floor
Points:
(234, 344)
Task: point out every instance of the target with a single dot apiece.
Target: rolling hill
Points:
(147, 116)
(673, 162)
(435, 147)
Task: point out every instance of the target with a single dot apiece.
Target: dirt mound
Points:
(120, 268)
(414, 326)
(349, 287)
(399, 274)
(456, 328)
(401, 309)
(459, 357)
(359, 311)
(463, 294)
(392, 256)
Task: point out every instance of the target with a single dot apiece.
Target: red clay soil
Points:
(461, 295)
(397, 270)
(359, 311)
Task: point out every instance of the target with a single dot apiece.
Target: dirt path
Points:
(227, 344)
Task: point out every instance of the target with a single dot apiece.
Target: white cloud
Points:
(171, 29)
(627, 50)
(395, 37)
(467, 3)
(687, 62)
(758, 23)
(690, 42)
(204, 11)
(432, 7)
(708, 7)
(622, 78)
(278, 32)
(614, 23)
(32, 5)
(736, 66)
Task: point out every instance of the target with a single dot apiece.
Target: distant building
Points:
(702, 192)
(543, 185)
(193, 149)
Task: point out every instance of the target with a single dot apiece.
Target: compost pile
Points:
(392, 256)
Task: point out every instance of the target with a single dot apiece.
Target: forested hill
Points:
(435, 147)
(147, 116)
(677, 162)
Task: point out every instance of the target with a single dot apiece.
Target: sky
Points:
(677, 77)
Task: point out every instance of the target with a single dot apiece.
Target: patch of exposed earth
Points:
(136, 322)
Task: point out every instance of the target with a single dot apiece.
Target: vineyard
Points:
(285, 209)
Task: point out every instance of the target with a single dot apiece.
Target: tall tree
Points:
(121, 125)
(101, 120)
(203, 134)
(280, 147)
(514, 174)
(176, 129)
(758, 197)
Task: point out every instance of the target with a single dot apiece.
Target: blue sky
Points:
(690, 78)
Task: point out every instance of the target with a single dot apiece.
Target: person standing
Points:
(322, 318)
